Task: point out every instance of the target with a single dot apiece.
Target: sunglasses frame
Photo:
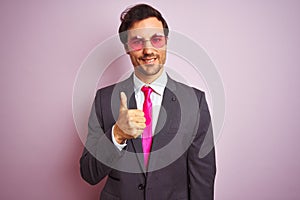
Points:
(143, 40)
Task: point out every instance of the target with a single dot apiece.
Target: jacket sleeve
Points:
(201, 156)
(99, 154)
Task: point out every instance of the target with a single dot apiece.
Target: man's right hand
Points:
(131, 122)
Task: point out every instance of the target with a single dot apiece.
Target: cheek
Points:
(163, 56)
(134, 58)
(134, 54)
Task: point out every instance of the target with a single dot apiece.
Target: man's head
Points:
(144, 32)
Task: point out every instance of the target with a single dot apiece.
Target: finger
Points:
(139, 119)
(135, 118)
(137, 133)
(136, 112)
(136, 125)
(123, 101)
(141, 127)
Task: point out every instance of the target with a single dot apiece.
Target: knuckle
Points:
(130, 112)
(130, 119)
(129, 123)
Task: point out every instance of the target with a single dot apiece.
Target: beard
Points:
(149, 64)
(149, 70)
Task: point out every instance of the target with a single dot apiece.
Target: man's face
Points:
(147, 48)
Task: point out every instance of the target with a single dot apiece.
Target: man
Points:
(146, 133)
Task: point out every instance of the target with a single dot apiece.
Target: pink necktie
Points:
(147, 134)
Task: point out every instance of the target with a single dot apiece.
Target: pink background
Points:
(254, 44)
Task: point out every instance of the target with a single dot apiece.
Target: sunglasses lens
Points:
(136, 44)
(158, 41)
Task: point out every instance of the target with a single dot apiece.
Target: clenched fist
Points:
(131, 122)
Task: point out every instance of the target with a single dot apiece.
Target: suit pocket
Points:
(107, 196)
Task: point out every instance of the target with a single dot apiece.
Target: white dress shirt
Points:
(156, 97)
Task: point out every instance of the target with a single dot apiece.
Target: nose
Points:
(148, 48)
(147, 44)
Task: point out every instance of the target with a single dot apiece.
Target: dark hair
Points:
(138, 13)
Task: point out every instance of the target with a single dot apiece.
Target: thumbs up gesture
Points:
(131, 122)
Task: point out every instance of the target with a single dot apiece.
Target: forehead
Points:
(146, 27)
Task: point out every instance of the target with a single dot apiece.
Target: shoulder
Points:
(105, 90)
(181, 87)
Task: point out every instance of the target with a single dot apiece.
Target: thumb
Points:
(123, 101)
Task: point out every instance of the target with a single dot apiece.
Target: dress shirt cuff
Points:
(119, 146)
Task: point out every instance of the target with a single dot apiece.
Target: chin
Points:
(152, 71)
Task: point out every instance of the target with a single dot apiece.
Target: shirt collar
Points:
(158, 85)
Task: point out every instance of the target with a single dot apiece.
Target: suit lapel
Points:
(168, 120)
(164, 122)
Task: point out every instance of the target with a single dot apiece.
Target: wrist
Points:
(118, 134)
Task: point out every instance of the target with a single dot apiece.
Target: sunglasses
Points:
(157, 41)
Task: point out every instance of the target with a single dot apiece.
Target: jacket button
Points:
(141, 187)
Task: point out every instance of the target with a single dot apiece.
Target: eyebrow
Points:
(140, 37)
(137, 37)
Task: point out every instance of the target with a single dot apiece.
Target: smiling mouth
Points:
(148, 60)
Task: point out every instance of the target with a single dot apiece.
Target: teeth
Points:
(149, 61)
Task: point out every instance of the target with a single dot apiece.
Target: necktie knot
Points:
(147, 106)
(147, 91)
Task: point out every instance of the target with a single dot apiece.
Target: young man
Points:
(146, 133)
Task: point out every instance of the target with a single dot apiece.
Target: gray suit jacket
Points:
(176, 169)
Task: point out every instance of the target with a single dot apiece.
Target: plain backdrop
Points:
(255, 46)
